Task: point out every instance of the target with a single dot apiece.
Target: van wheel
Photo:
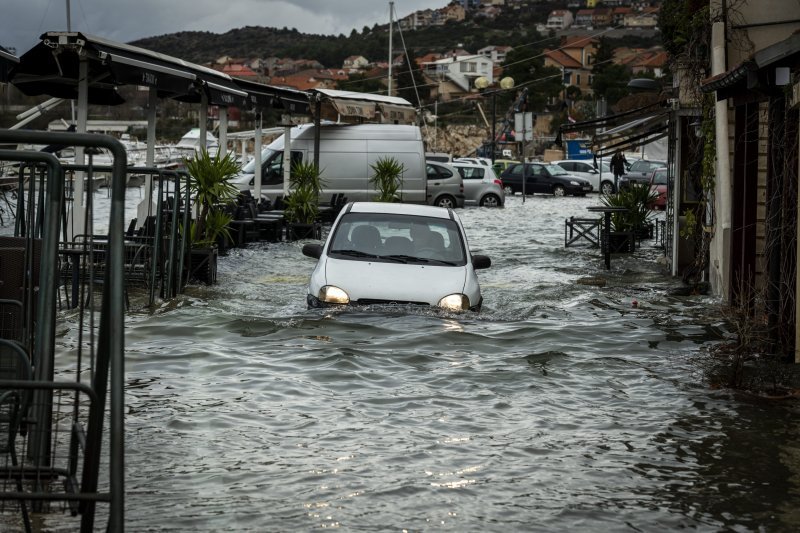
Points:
(490, 200)
(607, 188)
(558, 190)
(508, 190)
(446, 201)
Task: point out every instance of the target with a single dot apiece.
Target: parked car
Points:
(384, 253)
(501, 164)
(345, 155)
(639, 172)
(601, 178)
(445, 185)
(543, 178)
(481, 185)
(658, 186)
(441, 157)
(475, 160)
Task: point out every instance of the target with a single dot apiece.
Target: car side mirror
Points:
(479, 261)
(312, 250)
(593, 171)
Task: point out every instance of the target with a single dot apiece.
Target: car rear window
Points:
(471, 173)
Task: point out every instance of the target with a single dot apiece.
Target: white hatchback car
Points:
(408, 254)
(481, 185)
(602, 179)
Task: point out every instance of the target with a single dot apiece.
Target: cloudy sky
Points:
(23, 21)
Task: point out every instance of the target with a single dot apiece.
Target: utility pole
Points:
(391, 25)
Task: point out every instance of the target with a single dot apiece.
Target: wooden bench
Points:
(582, 229)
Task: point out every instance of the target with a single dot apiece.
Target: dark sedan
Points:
(543, 178)
(640, 172)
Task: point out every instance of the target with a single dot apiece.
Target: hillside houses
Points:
(452, 74)
(580, 14)
(560, 19)
(496, 54)
(574, 57)
(460, 70)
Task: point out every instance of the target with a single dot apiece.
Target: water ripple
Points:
(561, 406)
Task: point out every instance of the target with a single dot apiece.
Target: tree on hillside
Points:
(609, 80)
(362, 84)
(407, 80)
(526, 66)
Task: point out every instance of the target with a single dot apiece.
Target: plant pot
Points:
(620, 242)
(644, 232)
(296, 231)
(222, 245)
(202, 265)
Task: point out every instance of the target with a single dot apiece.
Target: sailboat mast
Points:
(391, 26)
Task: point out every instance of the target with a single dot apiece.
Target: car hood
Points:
(395, 282)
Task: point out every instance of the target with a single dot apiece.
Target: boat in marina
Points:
(190, 143)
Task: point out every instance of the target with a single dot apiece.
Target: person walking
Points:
(618, 166)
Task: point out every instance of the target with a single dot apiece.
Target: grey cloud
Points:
(127, 20)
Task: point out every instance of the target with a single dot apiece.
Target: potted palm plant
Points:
(301, 209)
(633, 223)
(387, 179)
(213, 193)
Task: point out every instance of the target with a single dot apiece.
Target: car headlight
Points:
(333, 295)
(575, 183)
(454, 302)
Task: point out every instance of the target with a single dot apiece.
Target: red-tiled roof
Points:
(239, 71)
(563, 59)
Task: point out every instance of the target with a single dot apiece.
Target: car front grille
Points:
(373, 301)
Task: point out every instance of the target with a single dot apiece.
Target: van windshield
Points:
(250, 167)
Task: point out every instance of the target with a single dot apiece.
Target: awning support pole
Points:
(287, 155)
(223, 131)
(317, 122)
(144, 208)
(78, 219)
(257, 157)
(203, 139)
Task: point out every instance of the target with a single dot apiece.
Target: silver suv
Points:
(445, 185)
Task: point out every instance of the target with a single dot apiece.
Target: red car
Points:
(658, 188)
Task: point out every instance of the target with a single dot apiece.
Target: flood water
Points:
(559, 407)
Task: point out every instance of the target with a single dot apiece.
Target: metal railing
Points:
(56, 441)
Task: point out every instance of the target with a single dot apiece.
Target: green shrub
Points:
(302, 203)
(636, 198)
(388, 179)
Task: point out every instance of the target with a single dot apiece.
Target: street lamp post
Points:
(481, 84)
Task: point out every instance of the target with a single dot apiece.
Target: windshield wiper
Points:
(443, 262)
(398, 257)
(415, 259)
(354, 253)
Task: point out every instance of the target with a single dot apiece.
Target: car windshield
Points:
(250, 167)
(660, 177)
(398, 238)
(556, 170)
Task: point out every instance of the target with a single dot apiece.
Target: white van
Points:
(345, 155)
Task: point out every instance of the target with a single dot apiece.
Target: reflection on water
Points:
(560, 407)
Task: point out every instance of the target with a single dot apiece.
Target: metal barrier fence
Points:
(51, 431)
